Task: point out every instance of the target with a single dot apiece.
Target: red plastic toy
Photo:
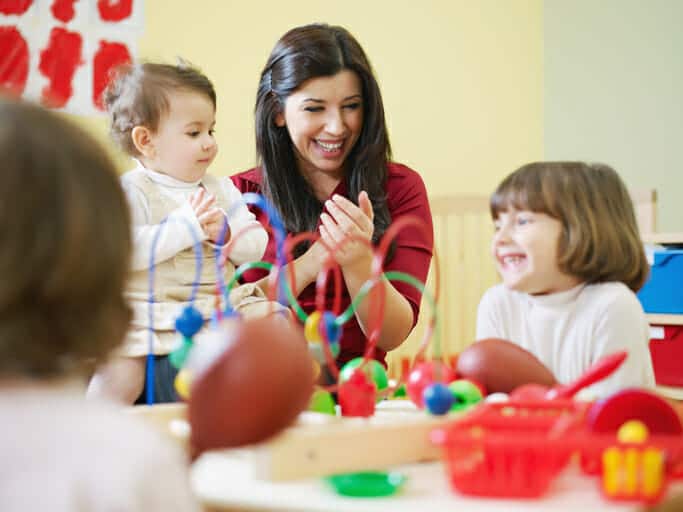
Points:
(509, 449)
(633, 439)
(599, 371)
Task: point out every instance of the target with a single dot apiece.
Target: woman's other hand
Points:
(345, 219)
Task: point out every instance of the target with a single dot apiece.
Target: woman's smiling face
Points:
(324, 118)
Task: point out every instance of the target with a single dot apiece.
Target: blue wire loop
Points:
(279, 233)
(252, 198)
(218, 251)
(197, 246)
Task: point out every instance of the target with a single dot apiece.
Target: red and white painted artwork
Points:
(61, 52)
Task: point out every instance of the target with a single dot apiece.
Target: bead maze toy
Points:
(359, 384)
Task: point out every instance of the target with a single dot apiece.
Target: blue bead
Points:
(437, 398)
(189, 322)
(332, 330)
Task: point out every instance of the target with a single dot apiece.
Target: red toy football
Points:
(501, 366)
(257, 386)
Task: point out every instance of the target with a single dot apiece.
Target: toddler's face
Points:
(184, 145)
(525, 252)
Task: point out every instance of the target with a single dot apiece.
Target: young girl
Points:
(570, 257)
(65, 237)
(164, 117)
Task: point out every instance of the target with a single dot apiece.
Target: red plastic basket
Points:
(509, 449)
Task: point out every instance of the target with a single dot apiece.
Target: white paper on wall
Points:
(61, 52)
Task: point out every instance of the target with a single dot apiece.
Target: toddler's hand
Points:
(213, 223)
(209, 216)
(202, 201)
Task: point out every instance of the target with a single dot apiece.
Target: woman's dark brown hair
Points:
(600, 240)
(304, 53)
(65, 238)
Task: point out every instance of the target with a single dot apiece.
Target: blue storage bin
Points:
(663, 291)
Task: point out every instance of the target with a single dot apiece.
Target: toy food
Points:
(254, 388)
(501, 366)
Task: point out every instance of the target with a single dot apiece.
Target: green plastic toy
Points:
(367, 484)
(322, 401)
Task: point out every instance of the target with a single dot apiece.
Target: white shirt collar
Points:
(164, 179)
(558, 299)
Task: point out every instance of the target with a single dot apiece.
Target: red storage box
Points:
(666, 348)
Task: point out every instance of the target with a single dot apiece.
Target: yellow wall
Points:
(462, 80)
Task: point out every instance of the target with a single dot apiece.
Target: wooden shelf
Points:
(663, 238)
(662, 319)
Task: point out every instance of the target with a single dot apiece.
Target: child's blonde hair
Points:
(600, 240)
(138, 96)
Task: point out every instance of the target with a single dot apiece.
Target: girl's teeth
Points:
(330, 147)
(512, 260)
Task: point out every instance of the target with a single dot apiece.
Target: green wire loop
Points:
(264, 265)
(349, 312)
(395, 276)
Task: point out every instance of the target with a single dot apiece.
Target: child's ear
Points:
(280, 120)
(142, 139)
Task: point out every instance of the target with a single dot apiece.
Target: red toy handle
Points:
(600, 370)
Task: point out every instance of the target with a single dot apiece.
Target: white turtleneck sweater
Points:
(569, 331)
(175, 236)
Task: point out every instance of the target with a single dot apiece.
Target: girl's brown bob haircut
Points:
(65, 238)
(600, 240)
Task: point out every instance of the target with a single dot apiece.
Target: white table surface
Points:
(224, 481)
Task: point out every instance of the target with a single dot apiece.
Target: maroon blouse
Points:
(406, 195)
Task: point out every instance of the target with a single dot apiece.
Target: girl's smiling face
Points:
(525, 250)
(324, 118)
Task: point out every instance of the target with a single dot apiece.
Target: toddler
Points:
(164, 116)
(570, 257)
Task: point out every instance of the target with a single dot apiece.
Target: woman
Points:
(324, 154)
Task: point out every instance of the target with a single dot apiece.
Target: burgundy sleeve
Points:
(247, 182)
(407, 196)
(243, 184)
